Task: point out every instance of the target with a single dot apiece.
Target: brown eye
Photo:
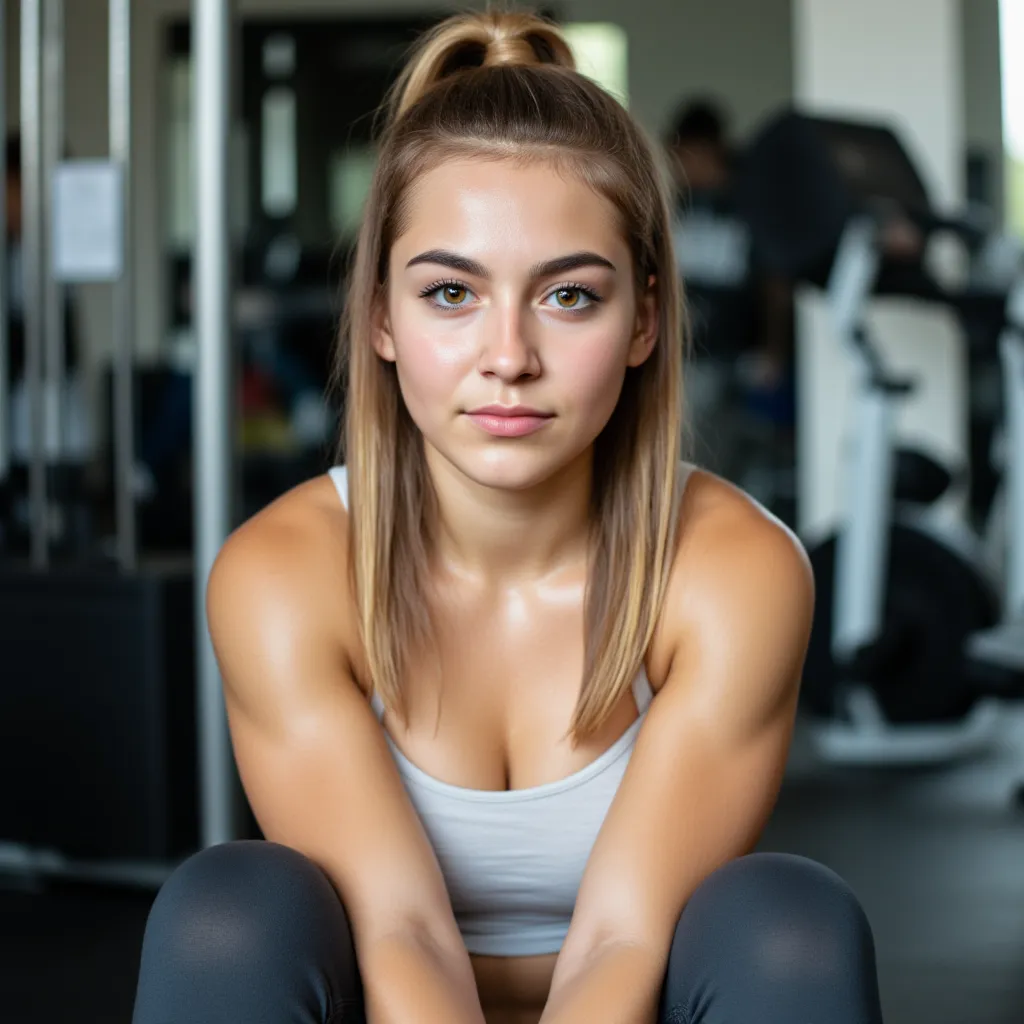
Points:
(447, 295)
(573, 298)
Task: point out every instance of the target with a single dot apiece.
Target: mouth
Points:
(509, 420)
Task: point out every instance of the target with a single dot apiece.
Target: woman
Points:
(514, 687)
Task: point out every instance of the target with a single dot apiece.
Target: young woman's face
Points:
(511, 316)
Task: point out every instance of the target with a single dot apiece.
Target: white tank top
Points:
(513, 860)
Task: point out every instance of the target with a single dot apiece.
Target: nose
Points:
(506, 352)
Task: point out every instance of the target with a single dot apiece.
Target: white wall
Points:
(909, 75)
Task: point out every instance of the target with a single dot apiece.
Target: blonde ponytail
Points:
(473, 41)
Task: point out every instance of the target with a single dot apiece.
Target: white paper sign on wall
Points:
(88, 219)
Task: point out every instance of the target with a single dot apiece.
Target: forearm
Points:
(618, 984)
(407, 979)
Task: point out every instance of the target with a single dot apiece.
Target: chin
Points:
(508, 466)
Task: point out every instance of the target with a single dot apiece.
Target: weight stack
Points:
(98, 712)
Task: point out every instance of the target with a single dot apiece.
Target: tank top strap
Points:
(339, 477)
(642, 692)
(378, 705)
(685, 472)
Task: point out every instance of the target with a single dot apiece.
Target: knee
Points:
(240, 901)
(782, 915)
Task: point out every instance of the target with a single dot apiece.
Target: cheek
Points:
(430, 360)
(591, 373)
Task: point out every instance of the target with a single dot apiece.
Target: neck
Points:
(502, 534)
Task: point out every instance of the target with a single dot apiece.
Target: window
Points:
(1011, 30)
(601, 51)
(349, 178)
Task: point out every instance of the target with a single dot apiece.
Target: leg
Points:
(248, 931)
(772, 939)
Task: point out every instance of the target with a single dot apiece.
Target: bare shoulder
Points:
(722, 529)
(294, 550)
(740, 579)
(280, 587)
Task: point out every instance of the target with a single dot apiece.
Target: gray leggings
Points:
(254, 932)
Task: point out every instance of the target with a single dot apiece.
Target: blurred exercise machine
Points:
(911, 644)
(742, 427)
(1000, 650)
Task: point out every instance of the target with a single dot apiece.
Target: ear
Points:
(382, 339)
(647, 323)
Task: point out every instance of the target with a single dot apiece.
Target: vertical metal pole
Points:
(213, 390)
(32, 269)
(52, 290)
(5, 305)
(1012, 352)
(122, 298)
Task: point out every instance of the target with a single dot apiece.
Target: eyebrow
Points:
(548, 268)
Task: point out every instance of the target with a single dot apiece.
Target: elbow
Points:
(431, 939)
(592, 941)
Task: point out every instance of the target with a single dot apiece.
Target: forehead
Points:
(508, 210)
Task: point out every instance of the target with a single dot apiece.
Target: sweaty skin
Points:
(509, 578)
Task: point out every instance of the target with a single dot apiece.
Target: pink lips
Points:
(508, 420)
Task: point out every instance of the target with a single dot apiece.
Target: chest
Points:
(493, 712)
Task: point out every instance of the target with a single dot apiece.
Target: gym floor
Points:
(937, 859)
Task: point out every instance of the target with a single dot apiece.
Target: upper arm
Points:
(709, 760)
(311, 754)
